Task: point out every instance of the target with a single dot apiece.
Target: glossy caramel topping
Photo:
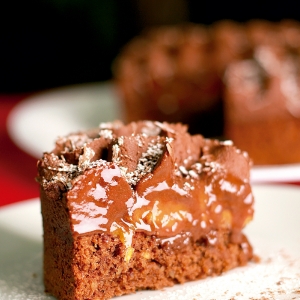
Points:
(157, 179)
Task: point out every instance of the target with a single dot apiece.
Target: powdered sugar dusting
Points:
(106, 133)
(85, 158)
(277, 276)
(146, 163)
(151, 129)
(24, 277)
(66, 173)
(73, 141)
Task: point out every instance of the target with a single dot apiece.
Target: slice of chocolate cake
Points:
(141, 206)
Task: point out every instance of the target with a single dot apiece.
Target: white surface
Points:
(274, 233)
(35, 123)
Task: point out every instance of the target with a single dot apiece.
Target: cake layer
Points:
(100, 272)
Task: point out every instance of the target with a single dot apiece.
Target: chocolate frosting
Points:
(151, 177)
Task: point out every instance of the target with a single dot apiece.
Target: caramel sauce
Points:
(162, 203)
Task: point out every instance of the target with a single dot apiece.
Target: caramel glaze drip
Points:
(195, 187)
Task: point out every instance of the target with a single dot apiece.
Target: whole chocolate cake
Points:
(238, 81)
(141, 206)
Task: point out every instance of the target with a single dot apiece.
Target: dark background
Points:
(51, 43)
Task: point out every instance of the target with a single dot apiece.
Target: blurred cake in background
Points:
(262, 94)
(169, 74)
(233, 80)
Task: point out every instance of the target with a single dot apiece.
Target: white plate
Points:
(274, 233)
(35, 123)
